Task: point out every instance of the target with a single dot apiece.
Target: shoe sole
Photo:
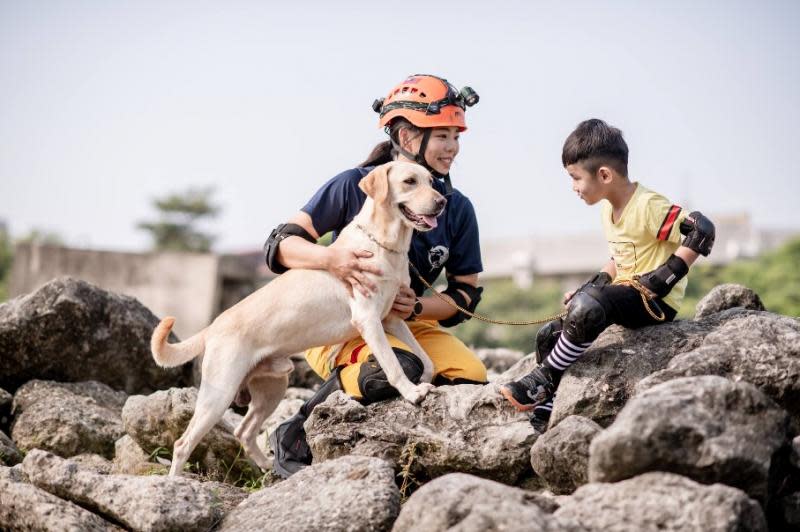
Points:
(519, 406)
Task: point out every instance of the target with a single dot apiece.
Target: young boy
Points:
(648, 256)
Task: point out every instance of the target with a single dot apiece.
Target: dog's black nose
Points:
(440, 203)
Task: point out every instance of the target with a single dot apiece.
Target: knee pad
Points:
(546, 339)
(372, 381)
(586, 318)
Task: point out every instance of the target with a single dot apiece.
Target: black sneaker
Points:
(289, 444)
(541, 416)
(531, 390)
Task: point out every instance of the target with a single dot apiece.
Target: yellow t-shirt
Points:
(644, 237)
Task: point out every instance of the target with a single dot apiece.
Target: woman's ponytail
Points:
(385, 152)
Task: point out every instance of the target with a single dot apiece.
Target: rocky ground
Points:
(691, 425)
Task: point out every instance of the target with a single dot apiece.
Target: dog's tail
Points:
(169, 355)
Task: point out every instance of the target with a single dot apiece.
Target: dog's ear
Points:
(376, 184)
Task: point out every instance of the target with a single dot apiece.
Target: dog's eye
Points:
(410, 181)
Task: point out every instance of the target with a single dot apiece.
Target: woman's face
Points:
(442, 147)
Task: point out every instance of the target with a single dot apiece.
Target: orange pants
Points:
(451, 358)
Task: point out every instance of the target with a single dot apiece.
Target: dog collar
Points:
(384, 246)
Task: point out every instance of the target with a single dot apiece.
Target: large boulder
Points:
(67, 419)
(70, 330)
(561, 455)
(706, 428)
(460, 502)
(599, 384)
(758, 347)
(148, 503)
(465, 428)
(26, 507)
(664, 502)
(157, 420)
(725, 296)
(352, 493)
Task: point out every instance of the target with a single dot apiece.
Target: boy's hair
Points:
(594, 144)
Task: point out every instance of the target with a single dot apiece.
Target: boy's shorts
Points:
(452, 360)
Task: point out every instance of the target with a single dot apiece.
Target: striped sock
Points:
(565, 353)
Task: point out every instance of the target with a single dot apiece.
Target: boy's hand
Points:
(403, 305)
(599, 279)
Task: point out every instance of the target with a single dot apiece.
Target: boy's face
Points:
(588, 186)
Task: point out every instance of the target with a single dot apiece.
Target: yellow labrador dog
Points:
(250, 343)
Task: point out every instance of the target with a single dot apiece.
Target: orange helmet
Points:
(426, 101)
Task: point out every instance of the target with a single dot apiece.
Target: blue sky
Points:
(106, 105)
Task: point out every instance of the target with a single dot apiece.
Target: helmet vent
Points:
(422, 95)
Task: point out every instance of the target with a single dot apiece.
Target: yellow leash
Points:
(633, 283)
(478, 316)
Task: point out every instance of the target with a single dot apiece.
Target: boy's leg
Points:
(587, 316)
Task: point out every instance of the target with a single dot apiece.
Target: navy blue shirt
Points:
(452, 245)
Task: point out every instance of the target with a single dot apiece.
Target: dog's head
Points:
(403, 190)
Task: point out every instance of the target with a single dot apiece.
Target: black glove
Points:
(661, 280)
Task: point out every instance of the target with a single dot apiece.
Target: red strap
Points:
(669, 221)
(355, 352)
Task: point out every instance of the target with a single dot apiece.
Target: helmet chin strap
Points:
(419, 158)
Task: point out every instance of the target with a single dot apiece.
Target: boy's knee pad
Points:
(586, 318)
(372, 381)
(546, 338)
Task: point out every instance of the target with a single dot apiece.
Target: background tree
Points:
(180, 213)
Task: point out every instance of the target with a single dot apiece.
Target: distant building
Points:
(576, 257)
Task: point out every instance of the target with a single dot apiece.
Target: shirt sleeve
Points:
(328, 208)
(664, 219)
(465, 250)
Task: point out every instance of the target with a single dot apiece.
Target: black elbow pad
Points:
(699, 233)
(454, 289)
(274, 241)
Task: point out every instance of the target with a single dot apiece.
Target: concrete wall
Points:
(185, 285)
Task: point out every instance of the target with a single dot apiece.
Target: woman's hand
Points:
(351, 267)
(403, 304)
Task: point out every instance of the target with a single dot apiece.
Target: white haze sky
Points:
(106, 105)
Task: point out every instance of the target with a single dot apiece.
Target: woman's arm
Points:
(347, 265)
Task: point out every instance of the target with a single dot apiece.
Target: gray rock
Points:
(150, 503)
(353, 493)
(303, 376)
(70, 330)
(13, 474)
(9, 454)
(790, 510)
(795, 452)
(155, 421)
(707, 428)
(93, 462)
(465, 503)
(499, 360)
(758, 347)
(103, 395)
(5, 409)
(66, 420)
(464, 428)
(727, 296)
(663, 502)
(288, 407)
(24, 507)
(130, 459)
(599, 384)
(561, 455)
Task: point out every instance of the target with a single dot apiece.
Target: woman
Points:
(423, 116)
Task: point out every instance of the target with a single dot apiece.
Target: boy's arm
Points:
(698, 240)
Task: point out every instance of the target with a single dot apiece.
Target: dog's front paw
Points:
(417, 393)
